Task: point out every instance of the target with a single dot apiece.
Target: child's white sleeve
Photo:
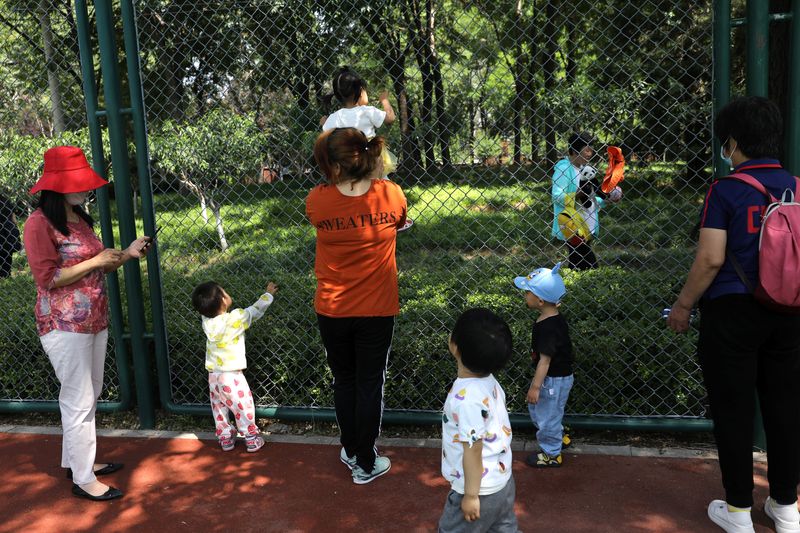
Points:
(472, 415)
(330, 122)
(376, 116)
(240, 319)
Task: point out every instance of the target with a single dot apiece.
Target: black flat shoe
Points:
(108, 469)
(110, 494)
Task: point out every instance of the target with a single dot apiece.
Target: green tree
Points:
(219, 149)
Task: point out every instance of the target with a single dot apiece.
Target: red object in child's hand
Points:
(615, 172)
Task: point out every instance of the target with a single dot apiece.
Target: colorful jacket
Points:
(565, 185)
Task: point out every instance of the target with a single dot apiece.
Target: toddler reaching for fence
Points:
(225, 360)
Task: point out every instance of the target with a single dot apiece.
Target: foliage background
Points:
(486, 93)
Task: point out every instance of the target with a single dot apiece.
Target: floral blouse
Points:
(80, 307)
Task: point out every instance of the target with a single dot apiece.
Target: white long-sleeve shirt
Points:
(225, 335)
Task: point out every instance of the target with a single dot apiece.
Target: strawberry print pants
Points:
(230, 393)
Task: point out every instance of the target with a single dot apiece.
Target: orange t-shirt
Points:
(355, 260)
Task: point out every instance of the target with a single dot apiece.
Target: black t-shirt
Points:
(551, 337)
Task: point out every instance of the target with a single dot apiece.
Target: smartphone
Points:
(152, 239)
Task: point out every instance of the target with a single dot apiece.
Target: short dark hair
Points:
(483, 339)
(578, 141)
(347, 86)
(756, 124)
(207, 298)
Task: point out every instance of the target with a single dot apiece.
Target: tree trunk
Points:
(419, 46)
(394, 62)
(519, 84)
(549, 71)
(197, 191)
(52, 68)
(438, 85)
(215, 208)
(471, 142)
(696, 138)
(530, 93)
(779, 66)
(203, 208)
(572, 65)
(517, 110)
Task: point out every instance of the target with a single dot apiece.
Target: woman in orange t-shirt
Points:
(356, 216)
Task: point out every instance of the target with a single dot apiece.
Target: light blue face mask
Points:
(727, 160)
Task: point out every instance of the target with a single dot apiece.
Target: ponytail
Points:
(347, 147)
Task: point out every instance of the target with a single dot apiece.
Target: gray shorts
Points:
(497, 513)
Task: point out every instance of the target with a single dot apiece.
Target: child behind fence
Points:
(225, 360)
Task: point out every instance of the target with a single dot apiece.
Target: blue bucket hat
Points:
(545, 283)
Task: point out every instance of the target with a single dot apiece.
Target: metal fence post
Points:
(757, 47)
(103, 202)
(793, 114)
(721, 73)
(146, 190)
(124, 199)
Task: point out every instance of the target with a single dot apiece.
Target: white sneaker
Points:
(731, 522)
(786, 517)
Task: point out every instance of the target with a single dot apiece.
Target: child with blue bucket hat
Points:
(552, 355)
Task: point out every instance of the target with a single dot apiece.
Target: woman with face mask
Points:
(746, 350)
(69, 263)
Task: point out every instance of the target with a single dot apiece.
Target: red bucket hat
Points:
(66, 170)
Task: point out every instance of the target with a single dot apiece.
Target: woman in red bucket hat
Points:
(69, 263)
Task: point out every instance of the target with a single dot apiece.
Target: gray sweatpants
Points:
(497, 513)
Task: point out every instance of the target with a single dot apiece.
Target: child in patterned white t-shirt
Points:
(225, 360)
(476, 432)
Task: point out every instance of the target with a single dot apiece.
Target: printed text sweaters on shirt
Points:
(355, 261)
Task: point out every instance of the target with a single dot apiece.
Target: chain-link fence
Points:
(41, 105)
(486, 93)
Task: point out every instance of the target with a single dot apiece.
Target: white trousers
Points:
(79, 361)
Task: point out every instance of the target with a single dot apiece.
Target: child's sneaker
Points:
(786, 517)
(254, 443)
(381, 466)
(566, 441)
(736, 522)
(542, 460)
(227, 444)
(350, 462)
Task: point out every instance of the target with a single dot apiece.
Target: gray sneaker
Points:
(350, 462)
(381, 466)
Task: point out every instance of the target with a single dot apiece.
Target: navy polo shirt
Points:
(737, 207)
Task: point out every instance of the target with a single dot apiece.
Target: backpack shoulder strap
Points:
(750, 180)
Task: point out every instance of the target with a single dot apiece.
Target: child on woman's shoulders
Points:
(350, 90)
